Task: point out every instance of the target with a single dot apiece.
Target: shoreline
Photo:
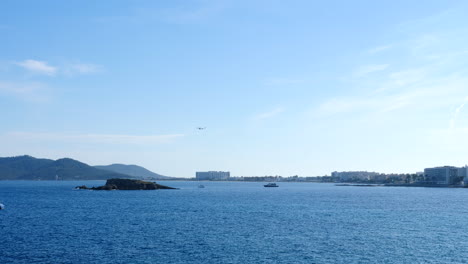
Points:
(402, 185)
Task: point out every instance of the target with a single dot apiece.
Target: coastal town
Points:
(444, 176)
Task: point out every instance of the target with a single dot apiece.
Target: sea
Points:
(232, 222)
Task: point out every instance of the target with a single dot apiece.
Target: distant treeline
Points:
(278, 178)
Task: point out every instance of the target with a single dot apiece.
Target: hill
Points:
(12, 168)
(133, 170)
(30, 168)
(69, 169)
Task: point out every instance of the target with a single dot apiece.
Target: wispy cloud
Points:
(269, 114)
(28, 91)
(70, 69)
(368, 69)
(371, 105)
(456, 113)
(425, 43)
(427, 77)
(379, 49)
(81, 69)
(283, 81)
(38, 67)
(95, 138)
(40, 91)
(408, 76)
(418, 94)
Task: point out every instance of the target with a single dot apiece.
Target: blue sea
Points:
(232, 222)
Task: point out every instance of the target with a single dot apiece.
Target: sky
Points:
(283, 87)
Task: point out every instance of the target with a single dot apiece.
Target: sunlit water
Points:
(232, 222)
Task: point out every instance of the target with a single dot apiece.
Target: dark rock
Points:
(127, 184)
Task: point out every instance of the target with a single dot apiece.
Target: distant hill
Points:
(30, 168)
(133, 170)
(12, 168)
(69, 169)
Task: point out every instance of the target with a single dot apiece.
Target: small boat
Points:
(201, 186)
(271, 184)
(2, 206)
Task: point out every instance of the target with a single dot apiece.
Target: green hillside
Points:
(30, 168)
(12, 168)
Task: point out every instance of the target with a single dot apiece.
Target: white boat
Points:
(271, 184)
(2, 206)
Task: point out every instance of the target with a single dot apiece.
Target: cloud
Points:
(455, 114)
(29, 91)
(423, 96)
(269, 114)
(283, 81)
(371, 105)
(408, 76)
(379, 49)
(36, 91)
(95, 138)
(427, 78)
(426, 93)
(43, 68)
(38, 67)
(81, 69)
(368, 69)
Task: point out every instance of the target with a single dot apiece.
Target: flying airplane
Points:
(201, 128)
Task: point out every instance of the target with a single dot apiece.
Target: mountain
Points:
(12, 168)
(30, 168)
(69, 169)
(133, 170)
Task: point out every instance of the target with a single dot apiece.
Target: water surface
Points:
(232, 222)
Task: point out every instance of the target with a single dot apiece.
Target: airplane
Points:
(201, 128)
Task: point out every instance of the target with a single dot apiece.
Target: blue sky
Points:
(282, 87)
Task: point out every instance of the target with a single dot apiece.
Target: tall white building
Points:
(463, 172)
(442, 175)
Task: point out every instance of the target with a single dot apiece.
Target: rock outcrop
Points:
(127, 184)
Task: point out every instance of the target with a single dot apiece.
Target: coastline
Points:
(426, 185)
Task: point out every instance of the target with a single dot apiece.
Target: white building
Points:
(463, 172)
(442, 175)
